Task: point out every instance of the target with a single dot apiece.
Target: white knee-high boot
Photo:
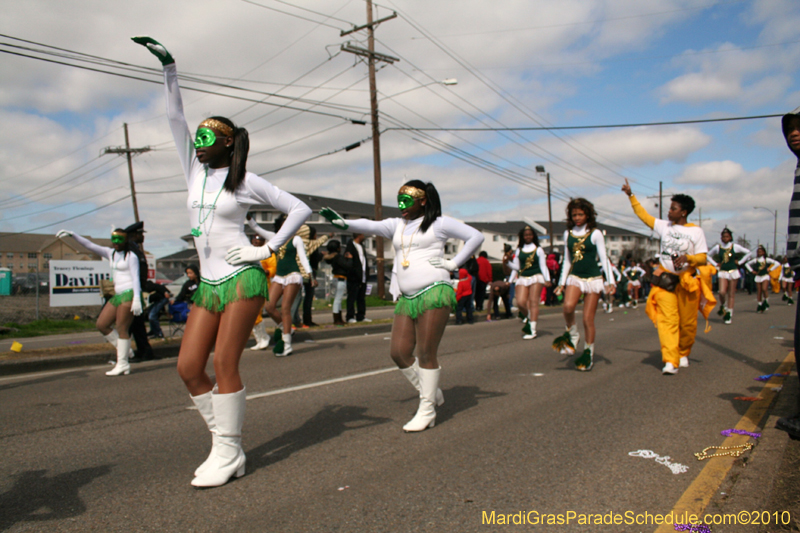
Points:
(426, 414)
(205, 407)
(260, 333)
(229, 460)
(122, 366)
(412, 375)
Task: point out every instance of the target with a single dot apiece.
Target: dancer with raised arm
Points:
(233, 286)
(586, 272)
(530, 263)
(727, 257)
(127, 300)
(420, 284)
(761, 266)
(676, 292)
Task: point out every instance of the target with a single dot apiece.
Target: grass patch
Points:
(46, 327)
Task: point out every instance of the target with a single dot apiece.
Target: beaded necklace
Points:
(201, 220)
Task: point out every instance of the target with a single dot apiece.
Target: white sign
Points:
(77, 282)
(151, 266)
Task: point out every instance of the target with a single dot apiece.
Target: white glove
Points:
(247, 254)
(63, 233)
(441, 262)
(136, 306)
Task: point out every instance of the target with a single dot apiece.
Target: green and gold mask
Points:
(404, 201)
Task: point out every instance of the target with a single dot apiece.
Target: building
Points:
(31, 252)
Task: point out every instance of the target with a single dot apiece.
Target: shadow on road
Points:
(36, 498)
(330, 422)
(22, 382)
(761, 367)
(461, 398)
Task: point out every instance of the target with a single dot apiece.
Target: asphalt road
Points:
(520, 431)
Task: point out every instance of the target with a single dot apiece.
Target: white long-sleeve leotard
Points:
(419, 248)
(125, 267)
(630, 270)
(770, 263)
(736, 249)
(615, 271)
(598, 240)
(224, 227)
(529, 248)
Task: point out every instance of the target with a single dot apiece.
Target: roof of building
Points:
(36, 242)
(183, 255)
(512, 227)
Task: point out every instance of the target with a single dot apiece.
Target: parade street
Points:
(520, 431)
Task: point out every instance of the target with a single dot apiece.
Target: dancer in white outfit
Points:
(127, 300)
(530, 264)
(761, 266)
(420, 284)
(233, 286)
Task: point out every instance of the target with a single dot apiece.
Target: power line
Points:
(158, 82)
(73, 217)
(600, 126)
(293, 15)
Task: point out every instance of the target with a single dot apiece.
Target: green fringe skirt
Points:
(247, 283)
(121, 298)
(439, 294)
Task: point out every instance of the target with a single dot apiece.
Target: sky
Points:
(518, 64)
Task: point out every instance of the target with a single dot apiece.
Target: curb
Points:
(166, 351)
(750, 484)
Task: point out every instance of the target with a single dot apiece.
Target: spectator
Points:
(159, 297)
(498, 290)
(464, 296)
(340, 265)
(189, 286)
(484, 279)
(357, 281)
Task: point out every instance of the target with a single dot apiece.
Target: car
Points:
(26, 283)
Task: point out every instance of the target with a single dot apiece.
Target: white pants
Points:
(340, 287)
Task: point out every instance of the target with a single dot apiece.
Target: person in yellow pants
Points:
(677, 292)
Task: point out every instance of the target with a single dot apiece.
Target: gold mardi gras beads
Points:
(736, 451)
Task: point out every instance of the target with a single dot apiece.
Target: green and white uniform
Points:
(219, 215)
(726, 258)
(761, 267)
(585, 261)
(634, 275)
(530, 264)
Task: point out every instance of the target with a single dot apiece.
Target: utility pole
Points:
(372, 56)
(128, 151)
(660, 201)
(700, 217)
(540, 170)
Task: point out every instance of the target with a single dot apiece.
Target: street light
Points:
(448, 81)
(774, 231)
(540, 170)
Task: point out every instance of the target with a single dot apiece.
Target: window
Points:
(626, 238)
(46, 264)
(10, 255)
(615, 252)
(510, 238)
(48, 256)
(32, 265)
(495, 238)
(613, 238)
(313, 218)
(32, 255)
